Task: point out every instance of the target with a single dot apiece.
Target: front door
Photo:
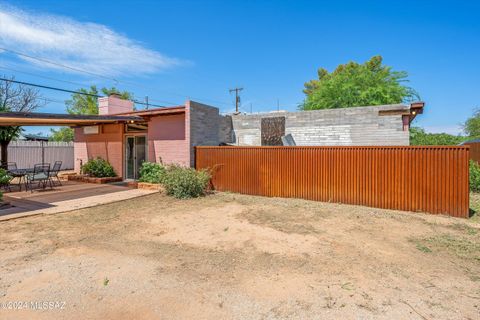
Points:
(135, 155)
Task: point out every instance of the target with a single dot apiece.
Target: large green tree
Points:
(353, 84)
(15, 98)
(472, 125)
(63, 134)
(85, 103)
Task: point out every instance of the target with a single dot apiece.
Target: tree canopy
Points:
(88, 104)
(418, 137)
(353, 84)
(62, 134)
(84, 104)
(472, 125)
(16, 98)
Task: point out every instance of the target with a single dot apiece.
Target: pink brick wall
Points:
(108, 144)
(113, 105)
(168, 139)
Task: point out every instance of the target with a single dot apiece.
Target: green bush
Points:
(474, 176)
(98, 168)
(4, 177)
(152, 172)
(185, 183)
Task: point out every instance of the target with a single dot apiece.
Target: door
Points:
(135, 155)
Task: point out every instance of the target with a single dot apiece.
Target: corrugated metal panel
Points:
(474, 150)
(27, 153)
(430, 179)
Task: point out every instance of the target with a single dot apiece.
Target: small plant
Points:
(474, 169)
(152, 172)
(5, 179)
(183, 183)
(105, 281)
(98, 168)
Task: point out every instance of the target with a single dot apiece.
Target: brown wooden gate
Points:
(430, 179)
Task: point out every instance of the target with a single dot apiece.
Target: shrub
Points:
(4, 177)
(152, 172)
(185, 183)
(98, 168)
(4, 180)
(474, 169)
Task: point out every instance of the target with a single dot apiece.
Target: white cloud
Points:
(455, 130)
(88, 46)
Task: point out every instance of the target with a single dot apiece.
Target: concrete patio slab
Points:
(70, 196)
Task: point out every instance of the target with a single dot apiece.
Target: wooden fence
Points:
(27, 153)
(430, 179)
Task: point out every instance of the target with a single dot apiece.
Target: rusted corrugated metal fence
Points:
(428, 178)
(474, 150)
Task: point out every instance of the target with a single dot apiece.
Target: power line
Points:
(58, 64)
(116, 81)
(70, 91)
(41, 76)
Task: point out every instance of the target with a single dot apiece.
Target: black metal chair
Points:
(14, 172)
(41, 174)
(54, 172)
(12, 167)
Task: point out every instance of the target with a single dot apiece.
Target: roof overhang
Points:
(411, 111)
(55, 119)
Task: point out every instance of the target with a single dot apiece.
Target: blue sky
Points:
(174, 50)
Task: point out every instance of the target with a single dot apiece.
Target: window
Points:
(136, 127)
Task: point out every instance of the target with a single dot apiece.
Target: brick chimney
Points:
(113, 104)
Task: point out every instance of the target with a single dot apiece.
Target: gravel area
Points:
(229, 256)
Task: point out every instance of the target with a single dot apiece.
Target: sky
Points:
(172, 51)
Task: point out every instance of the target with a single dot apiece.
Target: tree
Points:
(418, 137)
(85, 104)
(353, 84)
(15, 98)
(472, 125)
(63, 134)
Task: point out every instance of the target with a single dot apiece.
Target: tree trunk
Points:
(4, 153)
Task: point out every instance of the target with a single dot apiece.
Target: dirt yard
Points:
(229, 256)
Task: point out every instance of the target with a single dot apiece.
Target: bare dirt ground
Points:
(228, 256)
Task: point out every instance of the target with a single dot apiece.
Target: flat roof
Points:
(57, 119)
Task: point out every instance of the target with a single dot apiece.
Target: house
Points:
(165, 135)
(33, 137)
(126, 137)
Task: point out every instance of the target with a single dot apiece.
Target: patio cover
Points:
(56, 119)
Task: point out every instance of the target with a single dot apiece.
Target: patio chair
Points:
(12, 167)
(14, 172)
(41, 174)
(54, 172)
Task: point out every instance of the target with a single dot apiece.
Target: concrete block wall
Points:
(360, 126)
(204, 126)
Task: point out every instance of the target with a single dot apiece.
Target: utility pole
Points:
(237, 97)
(146, 101)
(278, 105)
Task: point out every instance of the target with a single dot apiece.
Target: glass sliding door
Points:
(140, 153)
(135, 155)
